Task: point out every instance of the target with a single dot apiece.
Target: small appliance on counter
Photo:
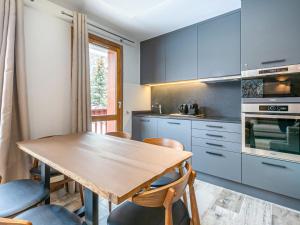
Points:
(189, 110)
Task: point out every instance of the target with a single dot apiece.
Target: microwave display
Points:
(280, 135)
(278, 86)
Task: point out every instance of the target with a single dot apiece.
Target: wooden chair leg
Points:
(168, 203)
(193, 201)
(81, 194)
(184, 194)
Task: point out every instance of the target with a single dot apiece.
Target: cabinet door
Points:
(219, 50)
(270, 33)
(181, 54)
(226, 165)
(272, 175)
(153, 61)
(144, 127)
(179, 130)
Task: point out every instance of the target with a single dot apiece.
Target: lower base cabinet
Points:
(273, 175)
(223, 164)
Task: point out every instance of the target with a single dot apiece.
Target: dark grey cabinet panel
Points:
(217, 144)
(217, 135)
(181, 54)
(153, 64)
(270, 33)
(179, 130)
(273, 175)
(219, 46)
(144, 127)
(217, 126)
(226, 165)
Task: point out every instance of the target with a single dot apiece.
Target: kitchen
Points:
(240, 122)
(149, 112)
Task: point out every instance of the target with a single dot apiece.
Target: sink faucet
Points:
(157, 106)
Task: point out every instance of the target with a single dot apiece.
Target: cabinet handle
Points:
(213, 126)
(273, 61)
(214, 135)
(174, 123)
(216, 154)
(274, 165)
(145, 120)
(212, 144)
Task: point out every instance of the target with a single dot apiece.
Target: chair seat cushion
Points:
(50, 215)
(37, 172)
(166, 179)
(132, 214)
(19, 195)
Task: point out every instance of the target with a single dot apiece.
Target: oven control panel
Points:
(274, 108)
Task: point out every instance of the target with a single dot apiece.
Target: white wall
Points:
(48, 61)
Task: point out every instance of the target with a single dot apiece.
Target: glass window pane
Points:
(103, 71)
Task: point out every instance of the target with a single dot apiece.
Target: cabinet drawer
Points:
(217, 144)
(217, 126)
(273, 175)
(179, 130)
(217, 135)
(218, 163)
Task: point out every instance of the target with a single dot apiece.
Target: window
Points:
(106, 85)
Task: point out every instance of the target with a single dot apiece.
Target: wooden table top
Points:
(112, 167)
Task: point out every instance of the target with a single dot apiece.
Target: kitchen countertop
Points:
(187, 117)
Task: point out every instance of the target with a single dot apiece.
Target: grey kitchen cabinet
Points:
(217, 126)
(179, 130)
(153, 64)
(181, 54)
(273, 175)
(219, 46)
(270, 33)
(226, 165)
(144, 127)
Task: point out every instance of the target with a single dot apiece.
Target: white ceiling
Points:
(143, 19)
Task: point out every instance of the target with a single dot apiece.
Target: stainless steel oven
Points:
(272, 130)
(281, 85)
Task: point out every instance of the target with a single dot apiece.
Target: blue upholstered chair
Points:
(45, 215)
(19, 195)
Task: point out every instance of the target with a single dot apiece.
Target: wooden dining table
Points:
(110, 167)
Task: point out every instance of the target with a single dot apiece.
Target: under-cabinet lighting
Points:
(204, 80)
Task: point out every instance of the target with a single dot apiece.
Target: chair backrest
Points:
(157, 197)
(5, 221)
(165, 142)
(119, 134)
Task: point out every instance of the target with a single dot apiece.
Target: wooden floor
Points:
(217, 206)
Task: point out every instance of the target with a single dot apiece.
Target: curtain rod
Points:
(92, 25)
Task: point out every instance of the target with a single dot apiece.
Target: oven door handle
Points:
(274, 165)
(271, 116)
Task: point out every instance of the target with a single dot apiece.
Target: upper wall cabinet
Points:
(181, 54)
(270, 33)
(219, 46)
(153, 65)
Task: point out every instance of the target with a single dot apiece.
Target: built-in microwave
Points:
(272, 130)
(271, 85)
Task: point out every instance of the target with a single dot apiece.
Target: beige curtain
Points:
(14, 127)
(81, 106)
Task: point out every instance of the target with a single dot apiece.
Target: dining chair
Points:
(174, 175)
(161, 205)
(19, 195)
(44, 215)
(119, 134)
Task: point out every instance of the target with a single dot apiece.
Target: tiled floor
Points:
(217, 206)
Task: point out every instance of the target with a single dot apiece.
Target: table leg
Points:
(45, 177)
(91, 204)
